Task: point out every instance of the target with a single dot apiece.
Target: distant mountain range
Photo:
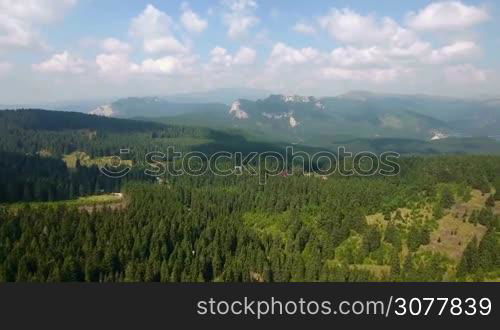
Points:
(220, 95)
(323, 121)
(153, 107)
(76, 106)
(303, 122)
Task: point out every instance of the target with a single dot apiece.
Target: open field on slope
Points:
(454, 232)
(452, 236)
(86, 203)
(86, 160)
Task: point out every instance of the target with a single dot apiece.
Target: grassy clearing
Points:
(86, 160)
(402, 216)
(80, 202)
(452, 236)
(454, 232)
(263, 223)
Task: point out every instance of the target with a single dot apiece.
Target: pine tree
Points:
(469, 263)
(395, 265)
(490, 202)
(447, 198)
(497, 188)
(371, 239)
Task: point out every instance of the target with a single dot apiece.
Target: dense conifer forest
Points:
(233, 229)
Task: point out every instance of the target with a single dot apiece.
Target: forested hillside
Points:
(25, 178)
(50, 155)
(297, 228)
(55, 134)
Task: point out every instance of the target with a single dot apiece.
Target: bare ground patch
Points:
(454, 232)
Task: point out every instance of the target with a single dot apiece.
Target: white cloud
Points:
(347, 26)
(417, 53)
(283, 54)
(455, 51)
(15, 32)
(351, 56)
(36, 10)
(368, 75)
(155, 27)
(114, 64)
(240, 17)
(382, 42)
(192, 21)
(19, 20)
(167, 44)
(447, 15)
(151, 23)
(112, 45)
(118, 65)
(304, 28)
(62, 63)
(168, 65)
(239, 27)
(465, 74)
(245, 56)
(414, 51)
(371, 52)
(241, 5)
(220, 57)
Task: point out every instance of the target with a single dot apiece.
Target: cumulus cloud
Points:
(113, 64)
(456, 51)
(348, 26)
(36, 10)
(168, 65)
(151, 23)
(351, 56)
(370, 51)
(240, 17)
(245, 56)
(62, 63)
(19, 20)
(220, 57)
(192, 21)
(283, 54)
(447, 15)
(378, 49)
(166, 44)
(304, 28)
(417, 53)
(112, 45)
(15, 32)
(155, 28)
(368, 75)
(465, 74)
(118, 65)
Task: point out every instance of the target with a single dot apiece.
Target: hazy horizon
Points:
(189, 97)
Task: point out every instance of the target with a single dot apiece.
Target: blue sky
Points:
(52, 50)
